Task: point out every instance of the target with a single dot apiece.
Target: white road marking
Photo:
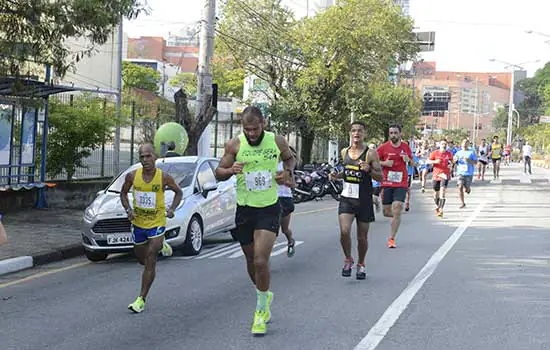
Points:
(230, 251)
(283, 250)
(230, 247)
(392, 313)
(524, 179)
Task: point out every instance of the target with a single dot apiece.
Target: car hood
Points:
(109, 202)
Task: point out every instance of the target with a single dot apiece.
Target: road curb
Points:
(24, 262)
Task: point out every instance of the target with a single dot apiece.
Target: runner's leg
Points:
(397, 208)
(153, 247)
(346, 220)
(263, 244)
(248, 251)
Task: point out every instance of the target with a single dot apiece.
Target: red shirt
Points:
(443, 166)
(396, 175)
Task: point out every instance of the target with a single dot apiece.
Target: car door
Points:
(211, 206)
(228, 192)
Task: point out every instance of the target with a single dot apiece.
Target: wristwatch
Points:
(128, 210)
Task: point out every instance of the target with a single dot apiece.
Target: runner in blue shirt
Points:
(466, 160)
(376, 189)
(410, 170)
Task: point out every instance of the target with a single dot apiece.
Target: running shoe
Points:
(361, 272)
(259, 327)
(290, 249)
(422, 190)
(462, 206)
(391, 243)
(346, 271)
(268, 307)
(440, 213)
(138, 305)
(407, 207)
(166, 249)
(468, 190)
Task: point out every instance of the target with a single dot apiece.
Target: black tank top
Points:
(357, 183)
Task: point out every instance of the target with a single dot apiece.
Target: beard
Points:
(394, 139)
(257, 141)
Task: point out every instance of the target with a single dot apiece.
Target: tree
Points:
(76, 131)
(535, 103)
(186, 81)
(135, 76)
(500, 121)
(38, 30)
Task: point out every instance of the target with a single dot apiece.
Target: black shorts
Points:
(393, 194)
(376, 191)
(484, 162)
(437, 184)
(249, 219)
(495, 160)
(410, 180)
(363, 210)
(287, 206)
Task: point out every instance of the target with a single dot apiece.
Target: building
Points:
(461, 100)
(186, 58)
(167, 71)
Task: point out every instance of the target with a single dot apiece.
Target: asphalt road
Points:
(476, 279)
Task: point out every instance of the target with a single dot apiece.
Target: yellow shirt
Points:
(497, 151)
(149, 201)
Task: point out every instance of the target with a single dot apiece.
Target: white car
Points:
(207, 208)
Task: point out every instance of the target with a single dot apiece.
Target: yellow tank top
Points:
(496, 151)
(149, 201)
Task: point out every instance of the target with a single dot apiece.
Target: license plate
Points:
(120, 238)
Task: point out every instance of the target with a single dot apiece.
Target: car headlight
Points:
(89, 214)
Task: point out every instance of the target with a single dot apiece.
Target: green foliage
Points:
(500, 121)
(537, 95)
(135, 76)
(75, 131)
(538, 136)
(38, 30)
(455, 135)
(186, 81)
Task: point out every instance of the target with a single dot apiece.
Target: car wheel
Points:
(95, 256)
(193, 238)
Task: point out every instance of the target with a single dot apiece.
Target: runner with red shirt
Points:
(394, 158)
(441, 159)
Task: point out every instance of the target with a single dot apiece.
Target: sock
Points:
(441, 203)
(261, 300)
(436, 201)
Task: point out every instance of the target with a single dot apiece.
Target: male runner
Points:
(466, 161)
(483, 156)
(148, 216)
(496, 156)
(394, 158)
(286, 201)
(410, 172)
(361, 166)
(254, 156)
(526, 151)
(376, 189)
(423, 167)
(441, 160)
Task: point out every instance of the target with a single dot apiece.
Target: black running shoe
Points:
(346, 271)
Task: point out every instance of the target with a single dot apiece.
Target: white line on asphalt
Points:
(392, 313)
(231, 246)
(524, 179)
(283, 250)
(230, 251)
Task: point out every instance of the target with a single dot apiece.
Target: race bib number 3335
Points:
(146, 200)
(258, 180)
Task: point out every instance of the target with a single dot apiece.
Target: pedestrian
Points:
(466, 160)
(394, 157)
(171, 145)
(496, 151)
(253, 157)
(361, 166)
(442, 161)
(148, 216)
(423, 167)
(483, 156)
(3, 235)
(286, 202)
(526, 151)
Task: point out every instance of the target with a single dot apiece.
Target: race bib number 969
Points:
(258, 180)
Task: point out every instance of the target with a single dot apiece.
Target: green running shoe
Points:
(259, 327)
(166, 249)
(268, 307)
(138, 305)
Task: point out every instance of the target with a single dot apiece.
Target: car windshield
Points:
(181, 172)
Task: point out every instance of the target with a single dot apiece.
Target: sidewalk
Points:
(37, 237)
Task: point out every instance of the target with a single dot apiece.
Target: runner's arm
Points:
(128, 182)
(225, 168)
(375, 167)
(289, 161)
(171, 184)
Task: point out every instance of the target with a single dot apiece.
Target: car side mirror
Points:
(209, 187)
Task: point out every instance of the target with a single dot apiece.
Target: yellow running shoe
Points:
(138, 305)
(259, 327)
(268, 307)
(166, 249)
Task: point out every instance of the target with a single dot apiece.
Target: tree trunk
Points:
(308, 136)
(193, 145)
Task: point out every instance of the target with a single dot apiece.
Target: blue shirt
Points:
(375, 183)
(410, 169)
(463, 167)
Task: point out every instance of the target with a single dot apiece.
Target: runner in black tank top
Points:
(356, 198)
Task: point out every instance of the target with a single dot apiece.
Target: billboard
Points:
(436, 98)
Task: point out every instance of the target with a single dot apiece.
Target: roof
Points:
(28, 88)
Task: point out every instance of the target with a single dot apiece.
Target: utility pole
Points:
(116, 153)
(204, 86)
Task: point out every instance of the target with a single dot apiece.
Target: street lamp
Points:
(511, 105)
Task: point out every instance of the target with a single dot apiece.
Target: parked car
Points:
(207, 208)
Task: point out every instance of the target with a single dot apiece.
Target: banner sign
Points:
(5, 133)
(28, 136)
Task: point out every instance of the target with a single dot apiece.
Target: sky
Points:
(468, 32)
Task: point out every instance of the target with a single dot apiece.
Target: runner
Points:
(287, 208)
(423, 167)
(410, 172)
(394, 156)
(496, 156)
(148, 216)
(483, 156)
(360, 167)
(507, 155)
(441, 160)
(254, 156)
(526, 151)
(3, 235)
(376, 187)
(466, 161)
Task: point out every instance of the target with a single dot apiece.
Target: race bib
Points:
(443, 176)
(258, 180)
(395, 176)
(463, 168)
(350, 190)
(146, 200)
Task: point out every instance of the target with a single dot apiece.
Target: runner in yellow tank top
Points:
(148, 216)
(254, 158)
(496, 156)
